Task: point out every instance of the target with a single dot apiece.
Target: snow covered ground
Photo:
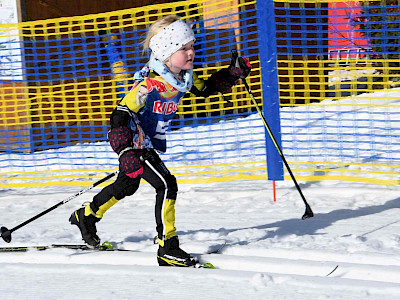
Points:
(270, 253)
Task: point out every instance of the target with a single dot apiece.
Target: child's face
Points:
(181, 59)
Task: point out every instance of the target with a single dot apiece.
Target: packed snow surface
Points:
(270, 252)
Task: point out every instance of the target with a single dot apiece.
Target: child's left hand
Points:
(223, 80)
(241, 68)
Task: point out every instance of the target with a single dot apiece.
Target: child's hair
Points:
(156, 27)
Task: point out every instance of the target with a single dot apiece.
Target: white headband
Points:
(171, 39)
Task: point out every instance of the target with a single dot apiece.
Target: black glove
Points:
(120, 138)
(121, 141)
(239, 68)
(130, 163)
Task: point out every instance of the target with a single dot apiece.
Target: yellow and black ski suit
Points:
(138, 128)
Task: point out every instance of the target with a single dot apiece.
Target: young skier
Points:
(138, 131)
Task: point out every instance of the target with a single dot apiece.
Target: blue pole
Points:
(270, 85)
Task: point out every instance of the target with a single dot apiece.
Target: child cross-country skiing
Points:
(138, 131)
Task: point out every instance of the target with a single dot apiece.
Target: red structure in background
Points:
(345, 41)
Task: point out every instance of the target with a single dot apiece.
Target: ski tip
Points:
(205, 266)
(334, 269)
(208, 266)
(107, 246)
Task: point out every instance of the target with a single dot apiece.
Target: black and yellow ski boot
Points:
(87, 226)
(170, 254)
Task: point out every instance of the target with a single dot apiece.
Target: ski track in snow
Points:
(270, 252)
(256, 273)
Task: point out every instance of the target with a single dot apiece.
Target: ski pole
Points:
(6, 233)
(308, 213)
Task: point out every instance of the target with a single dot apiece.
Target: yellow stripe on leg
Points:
(102, 209)
(106, 206)
(169, 218)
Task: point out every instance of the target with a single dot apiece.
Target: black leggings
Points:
(155, 173)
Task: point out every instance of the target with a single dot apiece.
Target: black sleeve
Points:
(223, 80)
(205, 92)
(119, 118)
(203, 88)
